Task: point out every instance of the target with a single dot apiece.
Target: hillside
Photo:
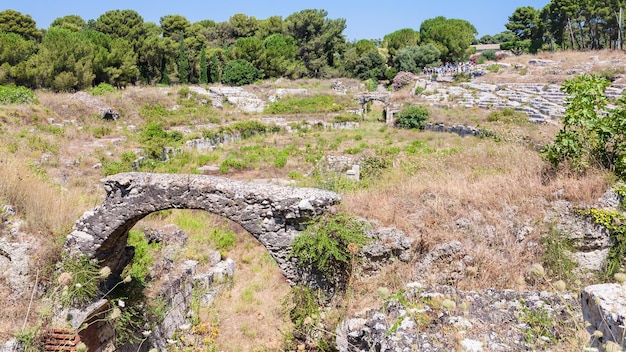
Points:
(479, 209)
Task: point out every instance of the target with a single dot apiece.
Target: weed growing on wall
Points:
(557, 256)
(79, 280)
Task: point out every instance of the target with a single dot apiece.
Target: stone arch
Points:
(384, 98)
(272, 214)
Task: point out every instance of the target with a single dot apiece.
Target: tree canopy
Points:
(120, 48)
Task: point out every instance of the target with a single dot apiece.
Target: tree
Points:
(64, 60)
(126, 24)
(243, 25)
(249, 49)
(154, 55)
(526, 25)
(121, 68)
(319, 39)
(400, 39)
(269, 26)
(415, 58)
(240, 72)
(215, 69)
(451, 36)
(370, 65)
(279, 55)
(174, 26)
(183, 62)
(15, 51)
(74, 23)
(592, 135)
(203, 68)
(12, 21)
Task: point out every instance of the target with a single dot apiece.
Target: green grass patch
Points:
(306, 105)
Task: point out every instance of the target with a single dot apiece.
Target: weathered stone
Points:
(604, 308)
(449, 260)
(271, 213)
(489, 320)
(109, 114)
(388, 243)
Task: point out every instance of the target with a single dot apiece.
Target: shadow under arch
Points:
(272, 214)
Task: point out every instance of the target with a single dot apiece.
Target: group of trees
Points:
(120, 48)
(564, 24)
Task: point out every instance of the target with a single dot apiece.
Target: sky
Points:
(365, 19)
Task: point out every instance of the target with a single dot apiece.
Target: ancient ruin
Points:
(272, 214)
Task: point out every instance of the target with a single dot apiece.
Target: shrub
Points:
(16, 95)
(493, 68)
(489, 55)
(330, 244)
(462, 77)
(102, 89)
(402, 79)
(412, 117)
(250, 128)
(508, 115)
(154, 138)
(373, 166)
(591, 136)
(240, 72)
(347, 118)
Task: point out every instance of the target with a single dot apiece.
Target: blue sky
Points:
(365, 19)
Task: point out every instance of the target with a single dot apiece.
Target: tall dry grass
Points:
(45, 207)
(498, 188)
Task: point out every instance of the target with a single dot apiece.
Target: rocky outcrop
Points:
(272, 214)
(442, 318)
(604, 308)
(388, 243)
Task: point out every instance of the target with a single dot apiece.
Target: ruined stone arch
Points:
(272, 214)
(384, 98)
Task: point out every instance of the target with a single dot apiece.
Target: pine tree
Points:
(203, 67)
(183, 63)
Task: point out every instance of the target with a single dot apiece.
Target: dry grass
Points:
(493, 185)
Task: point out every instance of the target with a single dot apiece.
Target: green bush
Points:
(493, 68)
(154, 138)
(412, 117)
(593, 134)
(240, 72)
(490, 55)
(102, 89)
(16, 95)
(330, 244)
